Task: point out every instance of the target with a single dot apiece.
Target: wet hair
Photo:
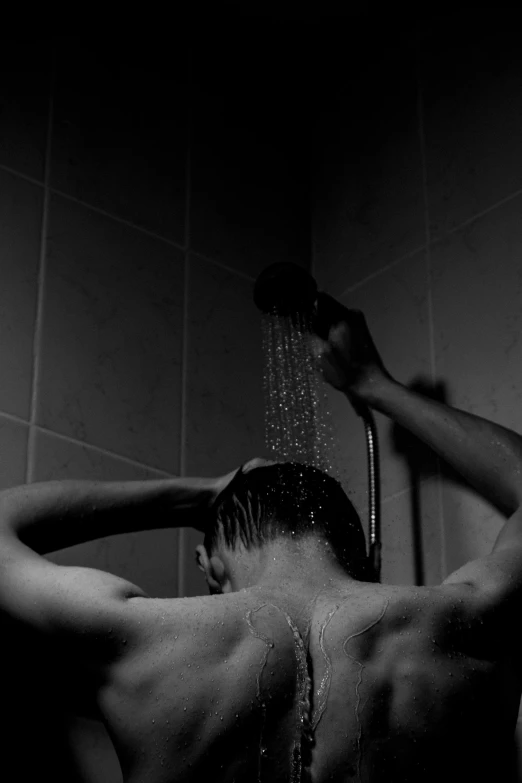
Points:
(288, 500)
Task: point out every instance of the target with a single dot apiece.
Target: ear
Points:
(214, 570)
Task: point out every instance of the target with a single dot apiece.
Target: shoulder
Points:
(455, 616)
(203, 644)
(462, 618)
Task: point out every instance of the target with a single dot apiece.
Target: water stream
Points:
(324, 687)
(298, 421)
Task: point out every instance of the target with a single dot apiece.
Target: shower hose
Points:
(374, 504)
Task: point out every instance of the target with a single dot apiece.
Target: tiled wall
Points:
(140, 194)
(417, 221)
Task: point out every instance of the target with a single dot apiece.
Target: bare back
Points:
(372, 683)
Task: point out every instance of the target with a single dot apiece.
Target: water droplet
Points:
(298, 423)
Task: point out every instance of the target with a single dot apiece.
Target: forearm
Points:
(487, 455)
(52, 515)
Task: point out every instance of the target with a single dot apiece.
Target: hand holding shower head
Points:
(286, 289)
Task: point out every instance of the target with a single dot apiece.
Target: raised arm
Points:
(487, 455)
(87, 613)
(51, 515)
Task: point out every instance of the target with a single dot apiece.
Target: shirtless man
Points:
(296, 667)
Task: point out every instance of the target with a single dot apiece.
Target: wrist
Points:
(188, 497)
(374, 391)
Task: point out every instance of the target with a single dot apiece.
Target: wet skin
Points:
(356, 682)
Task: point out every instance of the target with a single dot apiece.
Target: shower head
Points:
(285, 288)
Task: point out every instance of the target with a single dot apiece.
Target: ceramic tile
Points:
(120, 135)
(249, 158)
(25, 81)
(395, 307)
(225, 405)
(13, 455)
(411, 537)
(111, 338)
(367, 200)
(426, 505)
(147, 558)
(246, 210)
(472, 121)
(20, 234)
(471, 526)
(478, 320)
(477, 287)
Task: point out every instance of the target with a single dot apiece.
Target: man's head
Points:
(280, 502)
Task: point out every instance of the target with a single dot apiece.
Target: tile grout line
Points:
(433, 241)
(473, 218)
(38, 325)
(21, 175)
(351, 288)
(93, 208)
(430, 305)
(141, 229)
(184, 349)
(85, 444)
(101, 450)
(117, 219)
(14, 418)
(128, 223)
(221, 265)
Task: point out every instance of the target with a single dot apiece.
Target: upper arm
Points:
(496, 579)
(79, 609)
